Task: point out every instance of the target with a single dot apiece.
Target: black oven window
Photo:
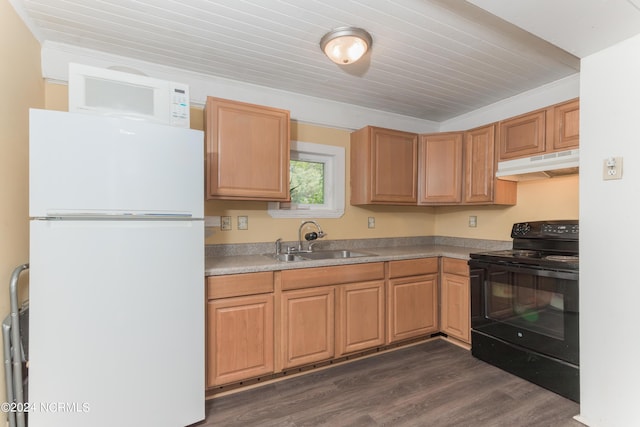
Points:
(528, 302)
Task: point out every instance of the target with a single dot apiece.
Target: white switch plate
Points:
(225, 223)
(243, 222)
(612, 168)
(473, 221)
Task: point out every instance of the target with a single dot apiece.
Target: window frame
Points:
(333, 158)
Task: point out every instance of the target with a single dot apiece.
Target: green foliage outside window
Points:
(307, 182)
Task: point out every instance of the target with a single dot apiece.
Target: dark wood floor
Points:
(431, 384)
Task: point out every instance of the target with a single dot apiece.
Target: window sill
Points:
(276, 212)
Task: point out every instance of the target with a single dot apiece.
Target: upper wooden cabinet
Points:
(523, 135)
(480, 183)
(247, 151)
(384, 167)
(440, 168)
(566, 128)
(460, 167)
(554, 128)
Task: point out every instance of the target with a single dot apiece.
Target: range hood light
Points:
(538, 167)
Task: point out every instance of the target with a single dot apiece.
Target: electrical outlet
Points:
(473, 221)
(371, 222)
(243, 222)
(225, 223)
(612, 168)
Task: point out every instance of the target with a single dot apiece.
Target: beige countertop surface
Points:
(236, 264)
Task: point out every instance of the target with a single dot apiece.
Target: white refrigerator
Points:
(116, 281)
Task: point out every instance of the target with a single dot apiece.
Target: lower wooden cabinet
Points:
(412, 299)
(240, 327)
(359, 316)
(262, 323)
(307, 325)
(455, 312)
(240, 338)
(330, 311)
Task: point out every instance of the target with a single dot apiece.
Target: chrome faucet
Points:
(320, 234)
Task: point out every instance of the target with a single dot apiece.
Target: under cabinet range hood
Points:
(547, 165)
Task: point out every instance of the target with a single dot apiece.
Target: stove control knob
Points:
(521, 229)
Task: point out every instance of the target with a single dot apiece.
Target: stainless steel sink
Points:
(316, 255)
(334, 254)
(287, 257)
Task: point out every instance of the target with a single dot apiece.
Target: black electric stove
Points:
(525, 305)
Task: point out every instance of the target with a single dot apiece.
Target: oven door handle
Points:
(525, 268)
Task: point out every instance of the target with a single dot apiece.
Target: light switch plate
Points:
(225, 223)
(473, 221)
(243, 222)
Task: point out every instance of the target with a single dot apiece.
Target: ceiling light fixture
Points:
(345, 45)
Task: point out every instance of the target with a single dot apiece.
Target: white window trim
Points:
(334, 182)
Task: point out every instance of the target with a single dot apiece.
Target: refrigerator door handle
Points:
(116, 214)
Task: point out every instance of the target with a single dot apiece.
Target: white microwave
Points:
(104, 91)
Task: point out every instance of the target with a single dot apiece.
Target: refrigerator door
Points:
(117, 323)
(81, 164)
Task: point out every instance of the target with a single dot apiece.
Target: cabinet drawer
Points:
(455, 266)
(413, 267)
(234, 285)
(324, 276)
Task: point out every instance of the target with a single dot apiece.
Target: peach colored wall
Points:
(22, 88)
(555, 198)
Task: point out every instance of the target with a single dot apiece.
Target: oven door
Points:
(530, 307)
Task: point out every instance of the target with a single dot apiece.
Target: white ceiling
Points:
(431, 59)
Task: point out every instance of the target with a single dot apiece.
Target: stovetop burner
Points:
(540, 244)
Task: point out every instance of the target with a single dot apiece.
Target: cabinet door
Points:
(359, 316)
(307, 326)
(481, 185)
(440, 168)
(239, 338)
(247, 151)
(566, 126)
(479, 165)
(384, 168)
(412, 307)
(523, 136)
(455, 310)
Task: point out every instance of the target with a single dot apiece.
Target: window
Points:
(317, 182)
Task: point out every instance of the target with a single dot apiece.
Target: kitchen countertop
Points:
(250, 263)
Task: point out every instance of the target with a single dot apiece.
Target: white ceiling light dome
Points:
(346, 45)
